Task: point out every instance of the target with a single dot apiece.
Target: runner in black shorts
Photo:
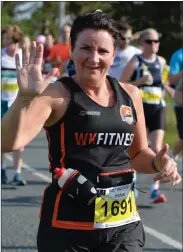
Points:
(145, 71)
(95, 130)
(154, 117)
(179, 117)
(175, 79)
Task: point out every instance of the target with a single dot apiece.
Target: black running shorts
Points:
(128, 238)
(179, 118)
(154, 117)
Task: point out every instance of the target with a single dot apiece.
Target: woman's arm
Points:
(174, 78)
(33, 105)
(179, 94)
(25, 119)
(170, 91)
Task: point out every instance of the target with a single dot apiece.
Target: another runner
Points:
(96, 135)
(124, 51)
(176, 73)
(145, 72)
(11, 36)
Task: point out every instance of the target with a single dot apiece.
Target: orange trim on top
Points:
(118, 172)
(62, 143)
(49, 155)
(68, 224)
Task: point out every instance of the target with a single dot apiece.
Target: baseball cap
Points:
(41, 39)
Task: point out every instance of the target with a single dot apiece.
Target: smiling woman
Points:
(96, 136)
(92, 56)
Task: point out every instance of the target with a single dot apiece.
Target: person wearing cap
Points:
(41, 39)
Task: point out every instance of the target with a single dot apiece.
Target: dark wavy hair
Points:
(14, 32)
(96, 20)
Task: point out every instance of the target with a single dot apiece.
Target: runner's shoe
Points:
(18, 180)
(157, 197)
(4, 177)
(136, 194)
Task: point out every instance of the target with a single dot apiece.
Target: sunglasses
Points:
(150, 41)
(125, 38)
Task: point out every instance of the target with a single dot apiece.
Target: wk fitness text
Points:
(104, 138)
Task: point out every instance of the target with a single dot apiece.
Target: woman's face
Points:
(7, 41)
(93, 54)
(151, 43)
(125, 39)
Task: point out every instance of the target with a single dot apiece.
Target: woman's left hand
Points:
(167, 167)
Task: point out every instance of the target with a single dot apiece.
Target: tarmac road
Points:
(20, 206)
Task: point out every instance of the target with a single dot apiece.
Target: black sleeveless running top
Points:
(153, 67)
(151, 94)
(92, 138)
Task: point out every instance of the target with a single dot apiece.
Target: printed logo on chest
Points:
(126, 114)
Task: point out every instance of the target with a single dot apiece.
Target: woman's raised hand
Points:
(29, 75)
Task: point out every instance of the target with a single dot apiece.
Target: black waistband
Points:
(108, 180)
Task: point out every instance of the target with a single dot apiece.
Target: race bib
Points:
(115, 207)
(9, 87)
(151, 95)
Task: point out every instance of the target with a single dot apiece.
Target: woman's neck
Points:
(12, 51)
(92, 88)
(149, 56)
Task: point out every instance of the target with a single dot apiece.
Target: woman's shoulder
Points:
(162, 60)
(56, 91)
(132, 90)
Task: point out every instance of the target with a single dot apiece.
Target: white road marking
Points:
(163, 238)
(153, 232)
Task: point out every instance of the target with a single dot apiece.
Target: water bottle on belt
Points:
(75, 185)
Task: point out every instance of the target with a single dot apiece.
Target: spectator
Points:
(47, 67)
(60, 52)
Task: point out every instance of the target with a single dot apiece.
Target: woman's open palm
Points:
(29, 75)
